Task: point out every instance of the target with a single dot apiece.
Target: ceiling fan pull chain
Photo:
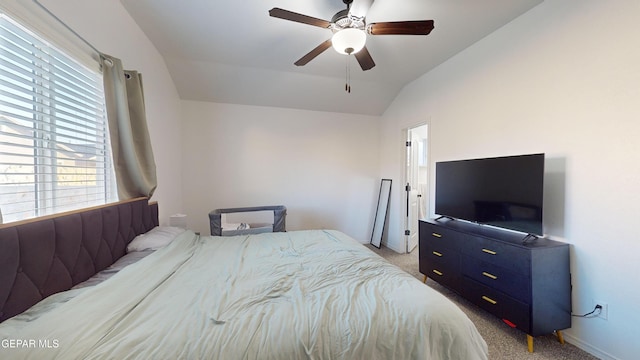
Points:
(347, 85)
(346, 76)
(349, 69)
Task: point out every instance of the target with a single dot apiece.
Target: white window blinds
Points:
(54, 150)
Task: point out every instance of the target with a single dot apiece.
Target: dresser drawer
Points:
(439, 236)
(512, 311)
(442, 273)
(443, 257)
(502, 279)
(516, 259)
(430, 250)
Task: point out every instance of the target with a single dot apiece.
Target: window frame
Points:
(56, 115)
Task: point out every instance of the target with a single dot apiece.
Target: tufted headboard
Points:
(43, 256)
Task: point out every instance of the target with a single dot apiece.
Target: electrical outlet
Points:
(604, 311)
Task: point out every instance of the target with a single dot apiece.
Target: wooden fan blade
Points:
(420, 27)
(364, 59)
(313, 53)
(292, 16)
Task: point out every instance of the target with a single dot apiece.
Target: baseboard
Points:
(587, 347)
(400, 251)
(393, 247)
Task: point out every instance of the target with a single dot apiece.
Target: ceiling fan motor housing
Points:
(342, 20)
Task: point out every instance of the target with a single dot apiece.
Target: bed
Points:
(316, 294)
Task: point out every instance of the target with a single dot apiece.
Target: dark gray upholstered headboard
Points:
(43, 256)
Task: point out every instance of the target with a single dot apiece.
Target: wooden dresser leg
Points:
(530, 343)
(424, 279)
(560, 337)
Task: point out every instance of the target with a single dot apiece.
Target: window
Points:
(54, 150)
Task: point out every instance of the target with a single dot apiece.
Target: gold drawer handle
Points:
(437, 272)
(436, 235)
(489, 251)
(489, 300)
(437, 253)
(490, 276)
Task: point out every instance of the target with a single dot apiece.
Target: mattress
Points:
(294, 295)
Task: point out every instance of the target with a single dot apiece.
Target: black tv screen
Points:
(505, 192)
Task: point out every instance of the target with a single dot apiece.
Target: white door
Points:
(416, 183)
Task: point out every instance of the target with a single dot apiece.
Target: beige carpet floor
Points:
(504, 342)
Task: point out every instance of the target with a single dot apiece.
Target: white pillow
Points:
(154, 239)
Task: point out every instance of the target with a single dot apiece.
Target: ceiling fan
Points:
(350, 32)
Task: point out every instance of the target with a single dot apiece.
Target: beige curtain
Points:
(133, 160)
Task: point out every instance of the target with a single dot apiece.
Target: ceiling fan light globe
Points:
(349, 41)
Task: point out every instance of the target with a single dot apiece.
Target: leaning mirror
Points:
(381, 212)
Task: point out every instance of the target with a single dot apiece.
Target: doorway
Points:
(416, 182)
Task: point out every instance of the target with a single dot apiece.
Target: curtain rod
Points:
(67, 27)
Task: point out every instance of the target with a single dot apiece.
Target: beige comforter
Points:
(293, 295)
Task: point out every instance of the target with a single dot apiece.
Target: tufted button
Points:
(20, 269)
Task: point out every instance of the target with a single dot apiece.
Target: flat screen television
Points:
(505, 191)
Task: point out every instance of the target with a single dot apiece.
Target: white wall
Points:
(109, 28)
(563, 79)
(322, 166)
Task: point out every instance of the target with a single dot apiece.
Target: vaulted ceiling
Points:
(234, 52)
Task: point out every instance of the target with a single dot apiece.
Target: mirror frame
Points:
(380, 219)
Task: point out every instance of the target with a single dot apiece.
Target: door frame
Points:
(425, 197)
